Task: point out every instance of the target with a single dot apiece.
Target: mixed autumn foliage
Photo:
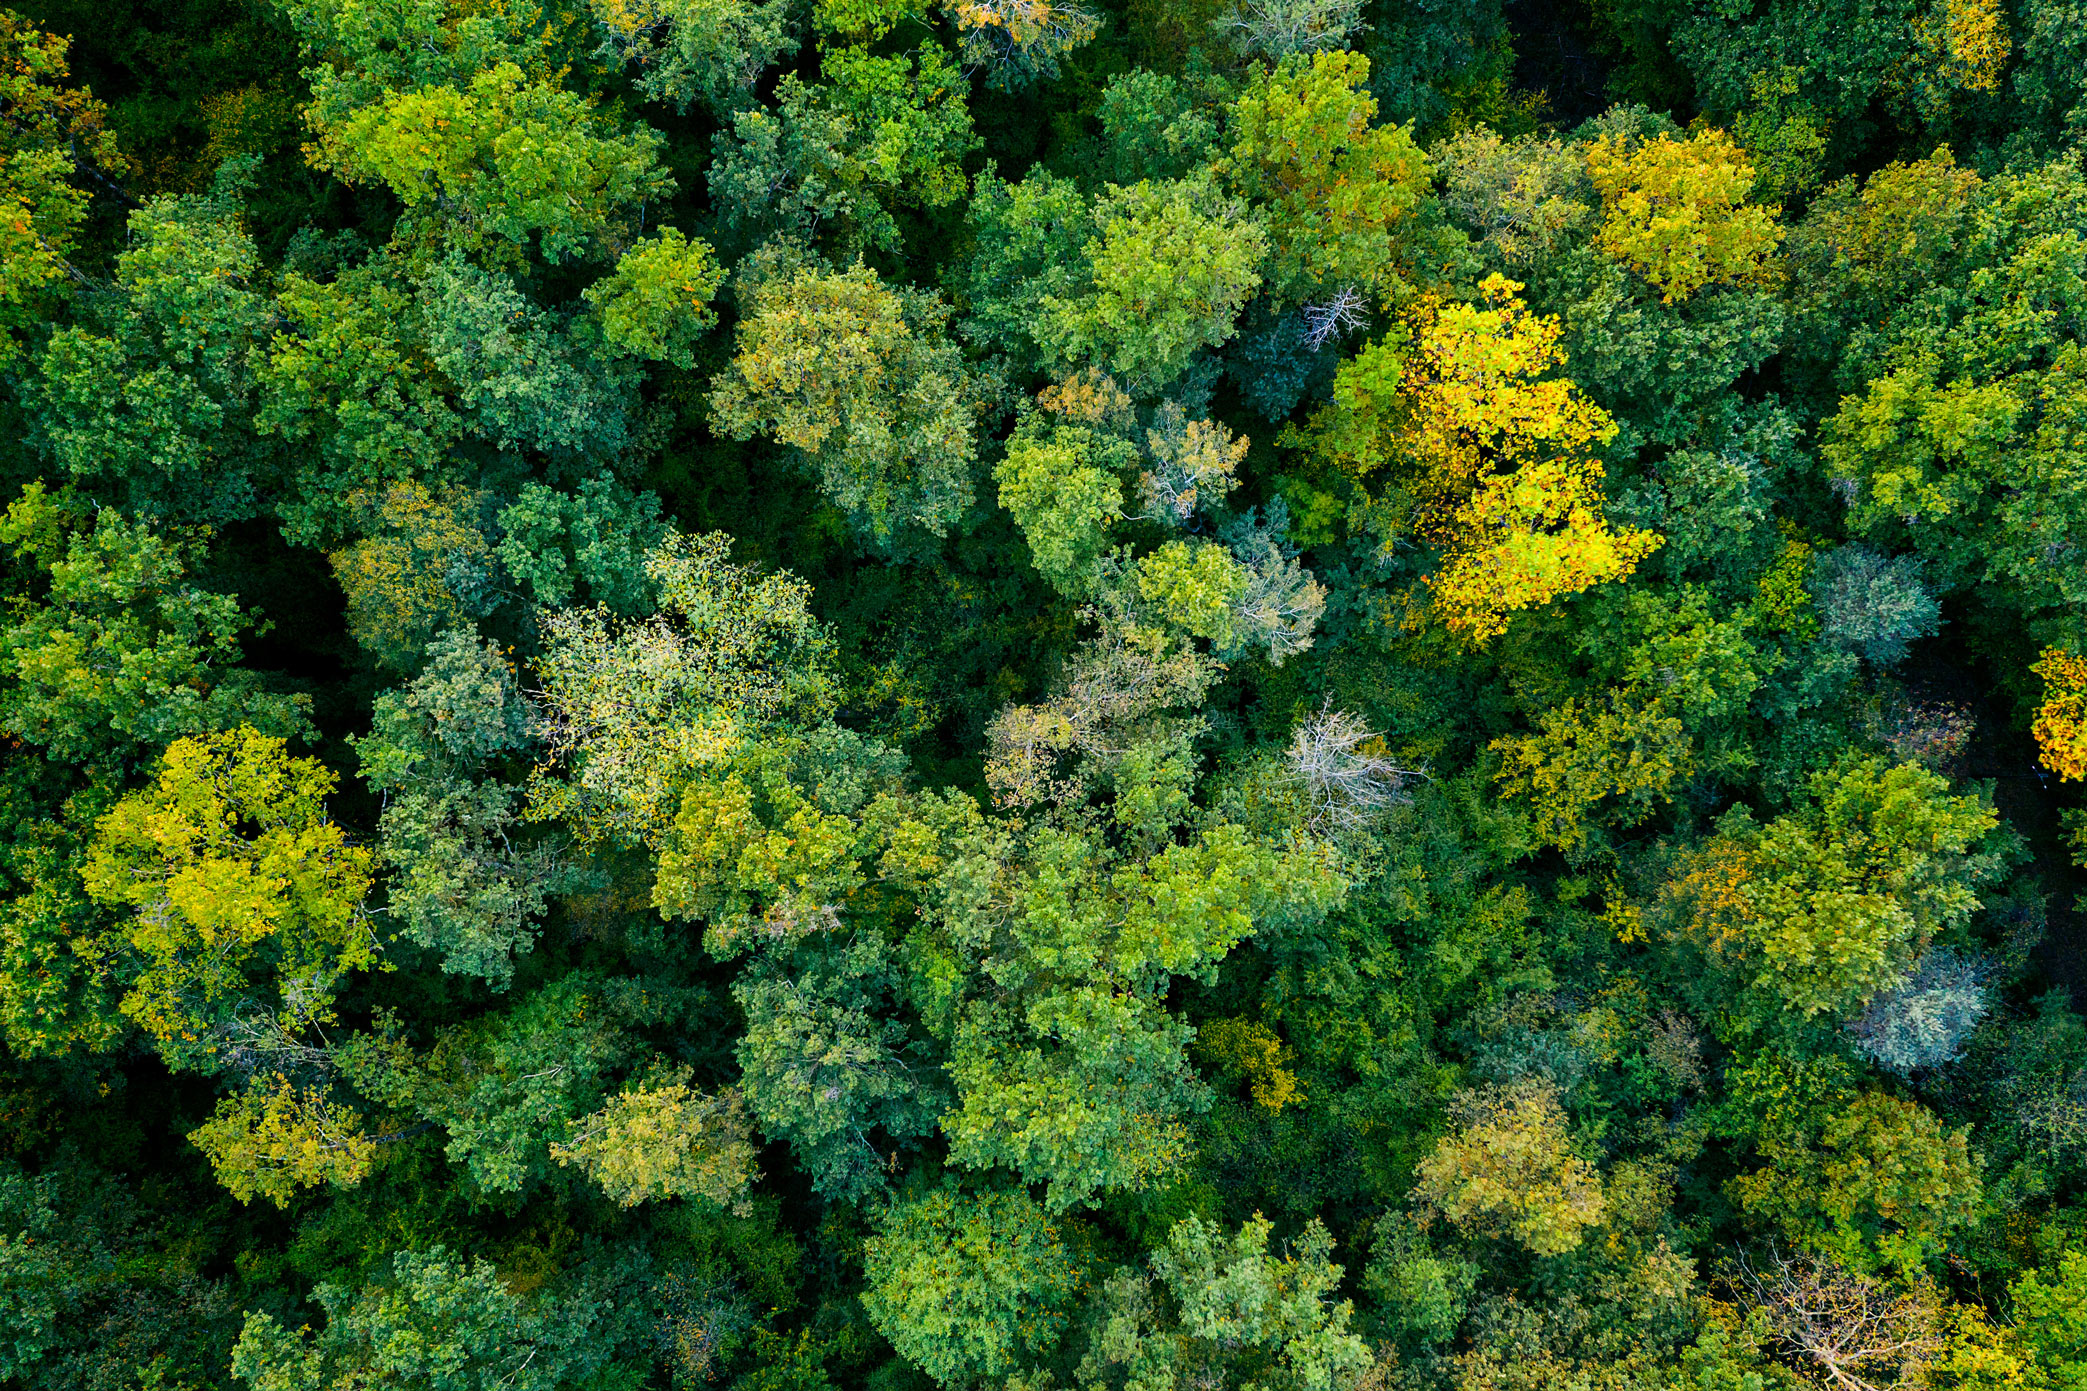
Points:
(1282, 695)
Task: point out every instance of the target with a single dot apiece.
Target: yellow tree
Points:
(1675, 211)
(277, 1137)
(228, 861)
(1458, 434)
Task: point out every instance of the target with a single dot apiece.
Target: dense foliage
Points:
(1093, 695)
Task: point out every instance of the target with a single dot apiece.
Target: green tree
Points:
(1027, 243)
(50, 133)
(350, 384)
(879, 133)
(2051, 1314)
(1337, 189)
(1167, 272)
(857, 378)
(110, 646)
(154, 392)
(464, 880)
(964, 1284)
(642, 708)
(1865, 1176)
(437, 1321)
(656, 303)
(826, 1066)
(712, 51)
(589, 544)
(500, 161)
(1830, 904)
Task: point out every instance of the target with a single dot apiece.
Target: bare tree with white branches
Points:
(1346, 782)
(1346, 310)
(1843, 1328)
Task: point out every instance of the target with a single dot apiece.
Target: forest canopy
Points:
(1049, 695)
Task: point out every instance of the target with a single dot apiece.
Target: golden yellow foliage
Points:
(2061, 721)
(1253, 1052)
(1675, 211)
(1496, 460)
(1965, 44)
(1525, 539)
(227, 860)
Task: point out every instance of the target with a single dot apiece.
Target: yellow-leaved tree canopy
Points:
(1454, 431)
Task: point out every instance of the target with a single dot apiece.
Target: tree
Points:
(1194, 587)
(1167, 272)
(1872, 605)
(1675, 211)
(110, 646)
(1348, 781)
(1252, 1052)
(228, 861)
(857, 378)
(154, 391)
(1959, 435)
(526, 377)
(910, 120)
(1583, 753)
(663, 1139)
(1067, 1067)
(1027, 243)
(510, 1085)
(1524, 198)
(712, 51)
(824, 1067)
(276, 1137)
(349, 381)
(2061, 719)
(637, 709)
(1059, 483)
(421, 566)
(2051, 1309)
(1020, 42)
(1509, 1169)
(1869, 1179)
(1844, 1324)
(438, 1321)
(498, 161)
(1831, 904)
(656, 303)
(1337, 188)
(1231, 1293)
(1923, 1021)
(965, 1283)
(878, 133)
(463, 881)
(1489, 460)
(51, 132)
(1279, 29)
(588, 544)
